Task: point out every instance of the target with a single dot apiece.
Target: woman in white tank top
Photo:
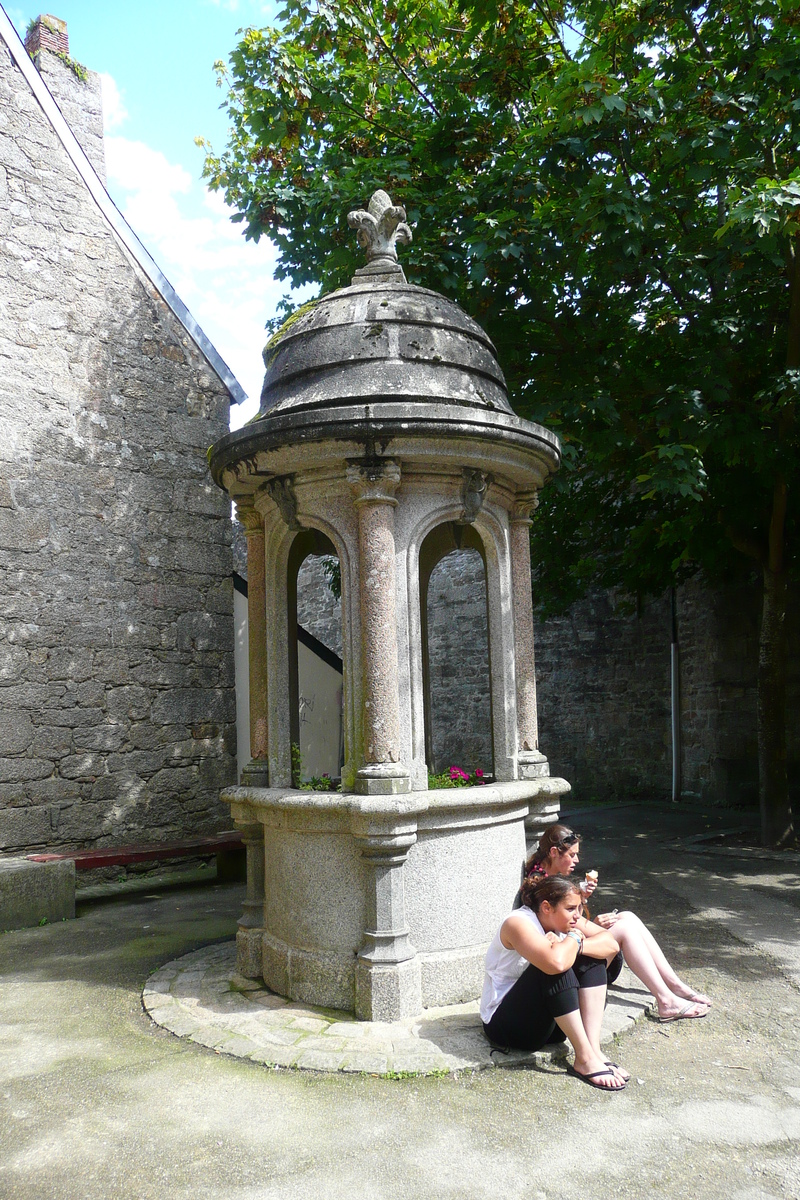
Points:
(546, 980)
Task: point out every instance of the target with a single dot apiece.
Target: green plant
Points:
(44, 921)
(455, 777)
(332, 571)
(78, 69)
(442, 780)
(297, 766)
(318, 783)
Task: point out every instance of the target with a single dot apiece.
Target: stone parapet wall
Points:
(117, 701)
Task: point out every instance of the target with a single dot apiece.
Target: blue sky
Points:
(159, 93)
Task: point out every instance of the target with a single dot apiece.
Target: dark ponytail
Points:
(552, 888)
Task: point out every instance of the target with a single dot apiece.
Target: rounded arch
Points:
(315, 658)
(456, 667)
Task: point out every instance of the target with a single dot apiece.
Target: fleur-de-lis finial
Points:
(379, 229)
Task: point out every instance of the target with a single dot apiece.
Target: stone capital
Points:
(248, 517)
(374, 481)
(525, 504)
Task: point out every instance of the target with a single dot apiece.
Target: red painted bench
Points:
(222, 845)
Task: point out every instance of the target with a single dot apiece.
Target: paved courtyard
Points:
(97, 1101)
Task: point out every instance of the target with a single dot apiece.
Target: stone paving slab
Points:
(202, 998)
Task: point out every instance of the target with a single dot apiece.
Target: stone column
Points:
(250, 926)
(532, 763)
(380, 770)
(256, 773)
(388, 975)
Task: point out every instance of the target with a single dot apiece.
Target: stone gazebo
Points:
(385, 437)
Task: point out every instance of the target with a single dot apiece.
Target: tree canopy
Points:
(613, 191)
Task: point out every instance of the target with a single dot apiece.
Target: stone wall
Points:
(79, 98)
(603, 681)
(116, 635)
(604, 704)
(318, 610)
(458, 657)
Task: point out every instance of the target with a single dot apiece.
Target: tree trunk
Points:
(776, 811)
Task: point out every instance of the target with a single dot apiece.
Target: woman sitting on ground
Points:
(544, 969)
(557, 854)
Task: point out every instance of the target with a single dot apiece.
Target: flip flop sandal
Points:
(589, 1079)
(684, 1014)
(495, 1047)
(617, 1067)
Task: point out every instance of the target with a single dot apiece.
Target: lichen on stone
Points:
(269, 351)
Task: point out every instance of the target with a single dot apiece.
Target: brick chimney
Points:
(47, 33)
(76, 91)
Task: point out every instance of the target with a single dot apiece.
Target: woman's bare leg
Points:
(592, 1001)
(588, 1061)
(635, 946)
(667, 973)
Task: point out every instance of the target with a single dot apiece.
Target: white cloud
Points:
(225, 281)
(114, 111)
(135, 167)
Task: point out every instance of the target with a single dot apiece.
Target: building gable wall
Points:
(117, 711)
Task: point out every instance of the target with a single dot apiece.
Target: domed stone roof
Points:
(381, 341)
(383, 362)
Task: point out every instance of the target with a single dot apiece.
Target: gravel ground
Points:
(97, 1102)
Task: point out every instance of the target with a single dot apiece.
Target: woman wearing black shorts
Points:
(546, 973)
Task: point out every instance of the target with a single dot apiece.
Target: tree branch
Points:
(548, 19)
(793, 334)
(408, 78)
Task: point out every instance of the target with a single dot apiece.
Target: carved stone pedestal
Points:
(250, 926)
(382, 905)
(388, 977)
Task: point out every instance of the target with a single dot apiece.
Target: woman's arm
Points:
(597, 942)
(549, 955)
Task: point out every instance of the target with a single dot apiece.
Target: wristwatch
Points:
(573, 933)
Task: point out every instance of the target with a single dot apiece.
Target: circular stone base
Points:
(201, 997)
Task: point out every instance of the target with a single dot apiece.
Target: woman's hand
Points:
(600, 945)
(587, 887)
(547, 951)
(606, 920)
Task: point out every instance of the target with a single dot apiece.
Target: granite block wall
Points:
(603, 683)
(458, 656)
(117, 709)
